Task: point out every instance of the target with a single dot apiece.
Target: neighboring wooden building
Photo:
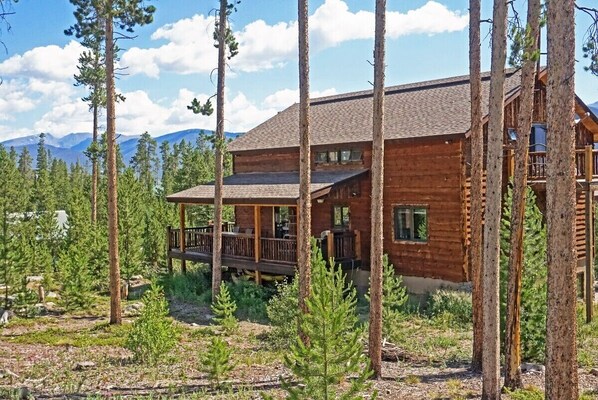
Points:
(426, 182)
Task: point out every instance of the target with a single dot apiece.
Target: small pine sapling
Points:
(77, 281)
(334, 352)
(283, 313)
(153, 334)
(216, 361)
(224, 310)
(394, 297)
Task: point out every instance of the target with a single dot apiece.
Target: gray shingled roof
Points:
(264, 187)
(431, 108)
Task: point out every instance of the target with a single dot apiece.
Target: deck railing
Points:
(340, 245)
(586, 164)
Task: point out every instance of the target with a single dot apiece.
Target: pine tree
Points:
(334, 351)
(224, 308)
(77, 282)
(130, 223)
(145, 162)
(533, 283)
(216, 361)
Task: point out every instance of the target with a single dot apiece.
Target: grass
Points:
(101, 334)
(587, 339)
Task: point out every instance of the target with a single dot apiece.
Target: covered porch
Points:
(263, 236)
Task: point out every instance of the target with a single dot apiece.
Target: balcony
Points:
(270, 255)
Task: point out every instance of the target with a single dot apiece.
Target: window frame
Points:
(411, 208)
(342, 215)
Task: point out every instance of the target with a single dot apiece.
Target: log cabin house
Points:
(426, 181)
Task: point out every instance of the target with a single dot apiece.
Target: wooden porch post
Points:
(589, 209)
(511, 162)
(257, 241)
(330, 246)
(357, 245)
(182, 235)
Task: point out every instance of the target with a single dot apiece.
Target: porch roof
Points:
(280, 188)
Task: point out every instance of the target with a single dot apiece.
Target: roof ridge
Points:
(406, 87)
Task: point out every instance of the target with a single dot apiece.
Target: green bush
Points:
(334, 351)
(153, 334)
(534, 277)
(394, 298)
(450, 307)
(216, 361)
(224, 310)
(194, 286)
(283, 312)
(251, 300)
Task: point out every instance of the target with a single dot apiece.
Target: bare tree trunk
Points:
(491, 360)
(561, 352)
(115, 311)
(524, 126)
(375, 334)
(219, 148)
(304, 234)
(94, 169)
(477, 172)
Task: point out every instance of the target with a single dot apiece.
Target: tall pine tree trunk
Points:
(375, 334)
(219, 148)
(115, 311)
(94, 169)
(524, 126)
(477, 171)
(561, 352)
(491, 360)
(304, 234)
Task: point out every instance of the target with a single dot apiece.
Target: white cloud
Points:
(64, 118)
(14, 99)
(286, 97)
(190, 48)
(51, 62)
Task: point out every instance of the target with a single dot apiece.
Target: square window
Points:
(355, 155)
(345, 155)
(341, 217)
(411, 223)
(321, 157)
(333, 156)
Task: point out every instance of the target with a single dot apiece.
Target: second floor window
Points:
(411, 223)
(343, 156)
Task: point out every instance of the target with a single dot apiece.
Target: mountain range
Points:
(70, 148)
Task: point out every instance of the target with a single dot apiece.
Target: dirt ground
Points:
(48, 355)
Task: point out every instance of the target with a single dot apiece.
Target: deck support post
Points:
(589, 216)
(182, 236)
(357, 244)
(257, 241)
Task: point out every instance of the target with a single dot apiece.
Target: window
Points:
(321, 157)
(537, 140)
(338, 156)
(411, 223)
(333, 156)
(341, 217)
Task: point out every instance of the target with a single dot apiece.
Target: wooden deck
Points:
(270, 255)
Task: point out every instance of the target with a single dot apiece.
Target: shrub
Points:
(194, 286)
(533, 280)
(334, 351)
(153, 334)
(394, 298)
(451, 307)
(283, 312)
(216, 361)
(77, 280)
(251, 300)
(224, 310)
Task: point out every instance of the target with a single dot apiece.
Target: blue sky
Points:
(170, 61)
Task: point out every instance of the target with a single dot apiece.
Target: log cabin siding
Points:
(431, 175)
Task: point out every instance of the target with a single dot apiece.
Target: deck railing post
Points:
(330, 245)
(257, 240)
(182, 236)
(589, 165)
(168, 247)
(511, 162)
